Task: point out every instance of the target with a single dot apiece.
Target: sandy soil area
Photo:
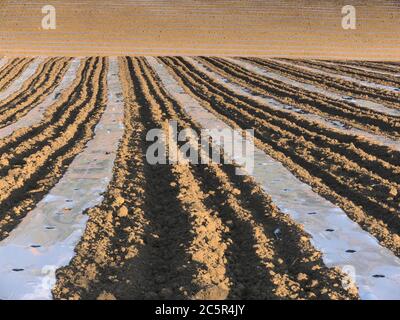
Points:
(187, 231)
(182, 27)
(200, 231)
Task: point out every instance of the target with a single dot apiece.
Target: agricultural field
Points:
(273, 28)
(85, 215)
(199, 150)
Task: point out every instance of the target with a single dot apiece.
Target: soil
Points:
(33, 159)
(187, 231)
(340, 167)
(311, 29)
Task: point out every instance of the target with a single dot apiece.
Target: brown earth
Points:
(338, 85)
(344, 169)
(33, 159)
(11, 71)
(187, 231)
(34, 91)
(200, 231)
(288, 28)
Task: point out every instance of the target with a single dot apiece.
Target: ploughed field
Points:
(311, 29)
(200, 231)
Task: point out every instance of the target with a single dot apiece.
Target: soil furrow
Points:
(365, 100)
(112, 238)
(357, 87)
(8, 66)
(339, 142)
(121, 254)
(388, 67)
(340, 86)
(163, 267)
(333, 139)
(251, 254)
(364, 209)
(325, 91)
(36, 115)
(64, 109)
(358, 73)
(3, 63)
(42, 84)
(38, 169)
(364, 65)
(350, 114)
(40, 72)
(206, 248)
(12, 71)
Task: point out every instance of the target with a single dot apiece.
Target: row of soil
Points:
(383, 66)
(331, 66)
(385, 97)
(378, 67)
(347, 113)
(337, 166)
(186, 231)
(34, 91)
(340, 86)
(12, 70)
(34, 159)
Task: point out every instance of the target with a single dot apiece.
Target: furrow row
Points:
(33, 92)
(30, 167)
(360, 103)
(348, 113)
(310, 160)
(365, 75)
(11, 71)
(183, 230)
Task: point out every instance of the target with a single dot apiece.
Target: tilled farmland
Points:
(85, 215)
